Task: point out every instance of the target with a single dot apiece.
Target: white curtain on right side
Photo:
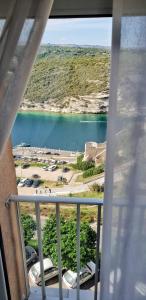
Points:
(123, 274)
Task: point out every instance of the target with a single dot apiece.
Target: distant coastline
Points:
(35, 110)
(95, 103)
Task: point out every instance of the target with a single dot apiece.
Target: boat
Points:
(24, 145)
(93, 121)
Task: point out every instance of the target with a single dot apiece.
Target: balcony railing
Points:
(37, 200)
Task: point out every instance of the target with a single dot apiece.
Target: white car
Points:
(45, 168)
(52, 168)
(52, 161)
(50, 271)
(70, 277)
(22, 182)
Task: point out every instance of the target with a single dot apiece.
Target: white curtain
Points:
(123, 274)
(19, 40)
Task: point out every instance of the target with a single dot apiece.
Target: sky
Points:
(85, 31)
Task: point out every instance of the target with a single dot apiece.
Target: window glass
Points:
(50, 270)
(84, 275)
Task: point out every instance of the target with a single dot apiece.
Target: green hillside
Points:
(61, 72)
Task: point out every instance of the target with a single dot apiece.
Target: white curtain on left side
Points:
(20, 37)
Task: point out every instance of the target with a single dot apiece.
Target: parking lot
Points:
(45, 175)
(54, 283)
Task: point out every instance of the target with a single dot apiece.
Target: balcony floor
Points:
(53, 294)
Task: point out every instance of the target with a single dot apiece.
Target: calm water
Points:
(57, 131)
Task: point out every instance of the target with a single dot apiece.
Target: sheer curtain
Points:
(123, 275)
(19, 40)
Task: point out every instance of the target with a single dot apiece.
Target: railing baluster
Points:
(23, 250)
(59, 250)
(38, 224)
(78, 251)
(97, 251)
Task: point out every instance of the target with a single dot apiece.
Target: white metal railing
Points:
(37, 199)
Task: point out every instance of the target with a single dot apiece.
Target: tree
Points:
(84, 165)
(95, 187)
(29, 227)
(68, 242)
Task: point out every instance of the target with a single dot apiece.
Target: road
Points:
(64, 190)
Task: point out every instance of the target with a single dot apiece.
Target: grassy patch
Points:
(31, 164)
(80, 178)
(88, 194)
(38, 164)
(50, 184)
(88, 213)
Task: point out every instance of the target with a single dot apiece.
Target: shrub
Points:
(83, 165)
(102, 188)
(33, 243)
(95, 188)
(93, 171)
(28, 226)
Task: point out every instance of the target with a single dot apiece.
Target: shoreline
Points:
(60, 113)
(45, 149)
(48, 152)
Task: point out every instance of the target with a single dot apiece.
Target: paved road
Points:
(65, 190)
(76, 188)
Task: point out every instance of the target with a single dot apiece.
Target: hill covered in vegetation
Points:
(65, 78)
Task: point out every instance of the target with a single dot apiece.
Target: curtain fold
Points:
(19, 41)
(123, 274)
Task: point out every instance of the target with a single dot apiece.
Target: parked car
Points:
(22, 182)
(31, 255)
(70, 277)
(48, 152)
(17, 181)
(23, 145)
(17, 157)
(50, 271)
(56, 153)
(36, 183)
(66, 169)
(62, 162)
(28, 182)
(52, 161)
(45, 168)
(25, 166)
(52, 168)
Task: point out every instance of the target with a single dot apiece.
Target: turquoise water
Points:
(58, 131)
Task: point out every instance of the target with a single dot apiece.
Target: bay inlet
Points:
(59, 131)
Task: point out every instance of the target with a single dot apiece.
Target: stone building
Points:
(95, 152)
